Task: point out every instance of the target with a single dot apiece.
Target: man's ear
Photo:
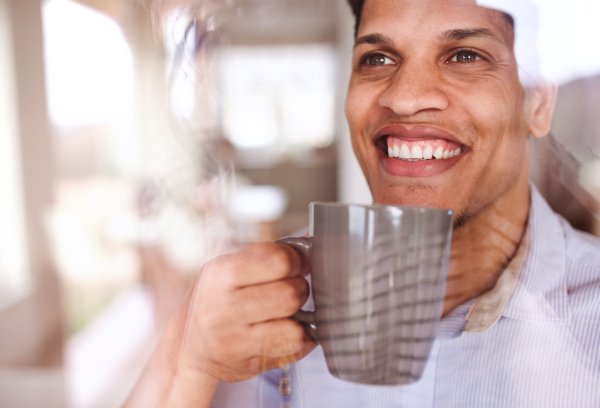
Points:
(541, 101)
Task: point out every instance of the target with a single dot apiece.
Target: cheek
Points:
(498, 119)
(353, 116)
(357, 106)
(501, 141)
(350, 109)
(363, 113)
(359, 113)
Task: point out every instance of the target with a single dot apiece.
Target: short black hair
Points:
(357, 6)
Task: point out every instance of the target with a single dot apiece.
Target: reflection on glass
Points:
(169, 153)
(14, 268)
(442, 101)
(269, 92)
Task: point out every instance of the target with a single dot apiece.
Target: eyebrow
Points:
(464, 33)
(374, 39)
(457, 34)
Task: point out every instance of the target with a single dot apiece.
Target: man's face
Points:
(437, 79)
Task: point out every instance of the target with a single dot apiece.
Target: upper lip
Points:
(416, 132)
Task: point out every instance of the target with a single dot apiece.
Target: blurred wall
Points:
(334, 175)
(31, 327)
(330, 174)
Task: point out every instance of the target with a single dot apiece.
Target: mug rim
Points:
(381, 206)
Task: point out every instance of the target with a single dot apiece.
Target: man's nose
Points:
(416, 87)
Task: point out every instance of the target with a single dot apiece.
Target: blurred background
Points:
(137, 143)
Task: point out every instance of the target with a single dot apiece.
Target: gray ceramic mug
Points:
(378, 282)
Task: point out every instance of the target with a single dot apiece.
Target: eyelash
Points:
(364, 59)
(466, 50)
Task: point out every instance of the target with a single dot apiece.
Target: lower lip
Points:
(421, 168)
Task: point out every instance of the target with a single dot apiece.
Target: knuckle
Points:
(221, 269)
(228, 277)
(267, 255)
(279, 260)
(259, 249)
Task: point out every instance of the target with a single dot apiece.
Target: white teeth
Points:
(416, 152)
(404, 152)
(428, 153)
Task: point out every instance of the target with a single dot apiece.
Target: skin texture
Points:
(234, 322)
(482, 104)
(407, 70)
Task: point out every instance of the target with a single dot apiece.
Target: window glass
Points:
(278, 95)
(14, 271)
(91, 106)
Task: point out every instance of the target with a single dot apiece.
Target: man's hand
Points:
(233, 324)
(237, 316)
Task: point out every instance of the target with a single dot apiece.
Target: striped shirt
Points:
(532, 341)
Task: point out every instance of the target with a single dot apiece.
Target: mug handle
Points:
(305, 317)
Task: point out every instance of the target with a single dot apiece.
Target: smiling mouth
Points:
(420, 149)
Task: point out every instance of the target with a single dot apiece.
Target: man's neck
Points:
(483, 247)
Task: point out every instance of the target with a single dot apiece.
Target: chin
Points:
(415, 194)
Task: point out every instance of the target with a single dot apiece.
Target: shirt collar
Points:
(541, 292)
(533, 285)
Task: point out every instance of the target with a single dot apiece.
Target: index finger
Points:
(265, 262)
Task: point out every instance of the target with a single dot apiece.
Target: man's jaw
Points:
(418, 151)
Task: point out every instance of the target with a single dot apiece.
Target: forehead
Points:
(422, 18)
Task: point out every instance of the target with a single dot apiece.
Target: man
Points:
(438, 118)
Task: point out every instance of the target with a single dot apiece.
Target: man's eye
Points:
(377, 60)
(465, 57)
